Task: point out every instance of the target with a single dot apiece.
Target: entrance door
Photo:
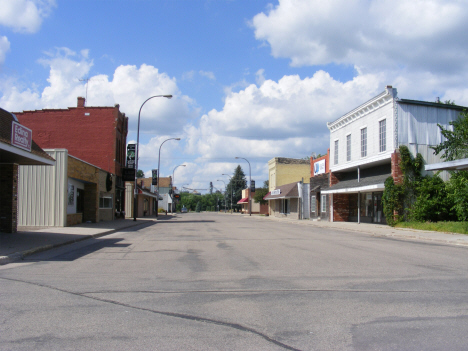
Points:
(79, 200)
(378, 208)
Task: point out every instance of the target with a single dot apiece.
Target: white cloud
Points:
(373, 35)
(24, 15)
(130, 86)
(209, 75)
(4, 48)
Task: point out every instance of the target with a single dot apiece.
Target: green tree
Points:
(456, 144)
(198, 207)
(140, 174)
(237, 183)
(259, 195)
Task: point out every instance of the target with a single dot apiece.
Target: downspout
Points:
(359, 197)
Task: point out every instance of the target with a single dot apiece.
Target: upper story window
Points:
(382, 135)
(336, 152)
(348, 147)
(364, 142)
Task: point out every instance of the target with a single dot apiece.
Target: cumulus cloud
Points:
(130, 86)
(24, 15)
(374, 35)
(284, 118)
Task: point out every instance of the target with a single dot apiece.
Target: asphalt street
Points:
(224, 282)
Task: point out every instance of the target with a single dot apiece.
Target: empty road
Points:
(213, 281)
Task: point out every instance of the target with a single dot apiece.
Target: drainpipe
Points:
(359, 196)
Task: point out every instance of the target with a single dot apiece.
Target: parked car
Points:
(184, 209)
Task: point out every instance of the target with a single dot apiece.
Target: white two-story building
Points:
(364, 152)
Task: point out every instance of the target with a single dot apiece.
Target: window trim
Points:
(384, 143)
(363, 145)
(104, 198)
(348, 147)
(335, 151)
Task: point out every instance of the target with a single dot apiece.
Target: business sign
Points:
(128, 174)
(131, 149)
(276, 192)
(154, 180)
(21, 136)
(319, 167)
(252, 186)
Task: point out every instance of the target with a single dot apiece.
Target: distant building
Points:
(364, 150)
(282, 171)
(319, 181)
(257, 208)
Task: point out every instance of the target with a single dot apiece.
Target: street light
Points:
(250, 186)
(135, 191)
(230, 179)
(220, 180)
(159, 170)
(172, 185)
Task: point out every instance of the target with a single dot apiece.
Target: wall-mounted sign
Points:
(319, 167)
(276, 192)
(154, 180)
(128, 174)
(131, 149)
(21, 136)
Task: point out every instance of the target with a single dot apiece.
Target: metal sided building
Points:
(364, 150)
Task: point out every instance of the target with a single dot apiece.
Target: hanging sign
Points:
(154, 180)
(131, 149)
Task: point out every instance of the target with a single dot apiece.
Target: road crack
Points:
(163, 313)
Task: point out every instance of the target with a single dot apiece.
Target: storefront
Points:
(357, 195)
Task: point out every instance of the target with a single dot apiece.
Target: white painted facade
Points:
(407, 122)
(367, 116)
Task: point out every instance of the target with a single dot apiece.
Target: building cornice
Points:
(384, 98)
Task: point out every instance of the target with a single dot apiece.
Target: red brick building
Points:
(97, 135)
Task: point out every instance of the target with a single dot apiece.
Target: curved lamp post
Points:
(135, 191)
(250, 186)
(220, 180)
(159, 170)
(173, 183)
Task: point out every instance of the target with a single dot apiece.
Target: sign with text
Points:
(131, 149)
(21, 136)
(154, 181)
(319, 167)
(128, 174)
(276, 192)
(252, 186)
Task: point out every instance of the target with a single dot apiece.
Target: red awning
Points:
(245, 200)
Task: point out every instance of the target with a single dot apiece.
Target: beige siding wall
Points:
(42, 192)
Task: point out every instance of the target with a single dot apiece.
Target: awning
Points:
(147, 193)
(245, 200)
(367, 184)
(287, 191)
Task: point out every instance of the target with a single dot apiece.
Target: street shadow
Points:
(191, 221)
(80, 252)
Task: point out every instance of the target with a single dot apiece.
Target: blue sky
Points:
(255, 79)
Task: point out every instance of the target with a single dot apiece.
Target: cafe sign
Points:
(21, 136)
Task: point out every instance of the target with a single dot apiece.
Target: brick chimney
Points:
(81, 101)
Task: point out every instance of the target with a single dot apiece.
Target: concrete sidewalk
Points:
(30, 240)
(380, 230)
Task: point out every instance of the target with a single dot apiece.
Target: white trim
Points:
(449, 165)
(355, 189)
(384, 98)
(24, 153)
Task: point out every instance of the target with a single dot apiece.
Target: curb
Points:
(17, 256)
